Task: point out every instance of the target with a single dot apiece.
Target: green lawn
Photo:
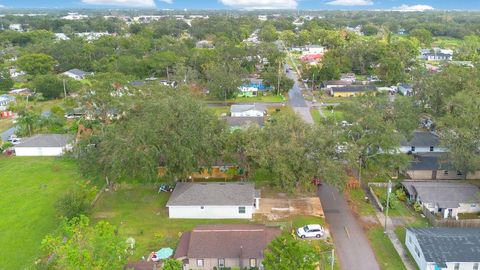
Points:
(29, 188)
(360, 205)
(140, 212)
(385, 253)
(219, 110)
(447, 42)
(399, 209)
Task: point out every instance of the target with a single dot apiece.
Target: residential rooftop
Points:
(46, 140)
(443, 194)
(442, 245)
(213, 193)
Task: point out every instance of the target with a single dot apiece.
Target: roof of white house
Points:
(77, 72)
(46, 140)
(246, 107)
(212, 193)
(443, 194)
(443, 245)
(422, 139)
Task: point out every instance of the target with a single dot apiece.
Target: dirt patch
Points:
(279, 208)
(368, 222)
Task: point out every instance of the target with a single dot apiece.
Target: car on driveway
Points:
(309, 231)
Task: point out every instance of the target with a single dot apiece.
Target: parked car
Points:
(309, 231)
(15, 140)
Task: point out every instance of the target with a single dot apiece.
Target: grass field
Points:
(29, 188)
(357, 200)
(140, 212)
(386, 254)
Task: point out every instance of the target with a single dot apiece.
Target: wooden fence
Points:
(461, 223)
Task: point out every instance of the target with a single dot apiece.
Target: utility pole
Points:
(64, 89)
(278, 78)
(333, 259)
(389, 191)
(313, 82)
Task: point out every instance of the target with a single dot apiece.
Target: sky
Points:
(403, 5)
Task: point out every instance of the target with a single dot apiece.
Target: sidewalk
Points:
(397, 244)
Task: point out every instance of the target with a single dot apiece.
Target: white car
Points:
(15, 140)
(309, 231)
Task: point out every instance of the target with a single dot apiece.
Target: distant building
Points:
(444, 248)
(77, 74)
(16, 27)
(436, 166)
(5, 101)
(61, 36)
(262, 17)
(436, 54)
(248, 110)
(335, 83)
(44, 145)
(90, 36)
(232, 246)
(444, 198)
(405, 89)
(204, 44)
(21, 92)
(422, 142)
(73, 16)
(351, 90)
(348, 77)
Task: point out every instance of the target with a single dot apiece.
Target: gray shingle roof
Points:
(422, 139)
(443, 194)
(46, 140)
(442, 245)
(212, 193)
(431, 161)
(246, 107)
(78, 72)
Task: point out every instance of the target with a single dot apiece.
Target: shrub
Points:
(76, 202)
(401, 195)
(172, 264)
(417, 207)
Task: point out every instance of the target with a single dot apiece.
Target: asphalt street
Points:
(351, 243)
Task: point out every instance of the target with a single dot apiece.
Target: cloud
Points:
(351, 3)
(413, 8)
(167, 1)
(261, 4)
(128, 3)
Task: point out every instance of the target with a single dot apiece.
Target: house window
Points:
(221, 263)
(200, 262)
(202, 207)
(459, 173)
(473, 205)
(445, 172)
(253, 262)
(431, 148)
(417, 251)
(241, 209)
(456, 266)
(475, 266)
(413, 148)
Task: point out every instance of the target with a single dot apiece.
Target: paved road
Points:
(6, 134)
(352, 246)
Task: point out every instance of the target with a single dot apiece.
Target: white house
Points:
(444, 248)
(76, 74)
(5, 100)
(247, 110)
(422, 142)
(44, 145)
(61, 36)
(314, 49)
(444, 198)
(16, 27)
(213, 200)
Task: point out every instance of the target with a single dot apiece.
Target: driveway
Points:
(352, 246)
(6, 134)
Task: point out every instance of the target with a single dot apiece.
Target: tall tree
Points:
(36, 63)
(165, 129)
(79, 245)
(285, 253)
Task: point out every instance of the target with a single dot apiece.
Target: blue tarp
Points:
(164, 253)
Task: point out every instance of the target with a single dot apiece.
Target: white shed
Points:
(44, 145)
(213, 200)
